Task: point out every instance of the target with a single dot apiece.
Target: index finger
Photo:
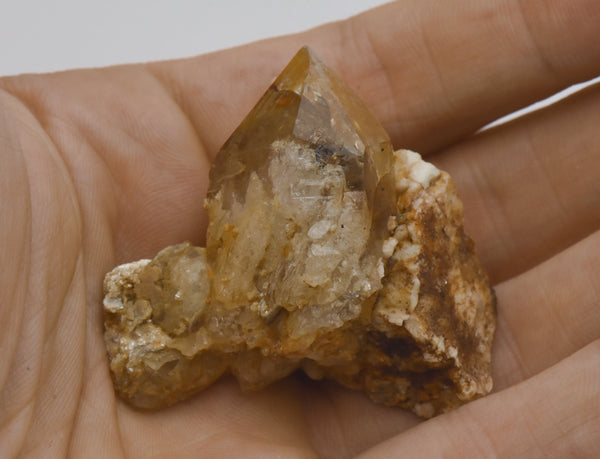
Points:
(432, 72)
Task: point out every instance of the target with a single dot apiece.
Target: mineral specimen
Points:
(326, 252)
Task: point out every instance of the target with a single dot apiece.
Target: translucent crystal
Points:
(309, 160)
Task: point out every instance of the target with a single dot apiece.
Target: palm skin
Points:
(105, 166)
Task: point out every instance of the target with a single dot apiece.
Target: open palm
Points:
(104, 166)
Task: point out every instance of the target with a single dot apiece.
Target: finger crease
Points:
(544, 60)
(170, 89)
(492, 205)
(511, 344)
(428, 47)
(381, 66)
(563, 210)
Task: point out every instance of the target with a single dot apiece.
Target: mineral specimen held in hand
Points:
(326, 252)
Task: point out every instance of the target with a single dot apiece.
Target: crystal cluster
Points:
(326, 251)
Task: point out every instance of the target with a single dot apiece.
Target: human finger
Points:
(43, 318)
(556, 413)
(548, 313)
(531, 187)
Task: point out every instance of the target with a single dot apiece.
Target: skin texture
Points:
(105, 166)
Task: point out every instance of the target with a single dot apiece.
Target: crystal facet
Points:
(326, 251)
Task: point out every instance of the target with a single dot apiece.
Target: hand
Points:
(105, 166)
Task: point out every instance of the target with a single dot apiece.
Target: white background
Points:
(50, 35)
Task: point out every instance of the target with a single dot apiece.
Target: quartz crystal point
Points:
(326, 252)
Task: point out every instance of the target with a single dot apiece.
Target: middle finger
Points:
(531, 187)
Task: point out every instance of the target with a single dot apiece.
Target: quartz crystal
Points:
(326, 251)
